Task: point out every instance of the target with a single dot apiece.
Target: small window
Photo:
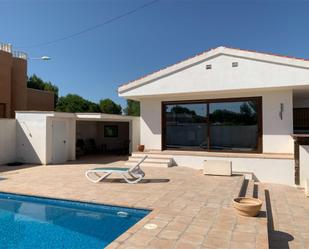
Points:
(235, 64)
(208, 66)
(110, 131)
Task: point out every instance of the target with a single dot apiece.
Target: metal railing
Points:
(20, 55)
(16, 54)
(6, 47)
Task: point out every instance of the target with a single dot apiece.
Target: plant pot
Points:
(247, 206)
(140, 148)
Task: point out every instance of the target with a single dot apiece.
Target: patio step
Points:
(250, 188)
(151, 161)
(247, 175)
(151, 155)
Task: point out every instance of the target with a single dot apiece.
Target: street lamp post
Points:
(43, 58)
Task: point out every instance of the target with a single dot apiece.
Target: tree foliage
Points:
(36, 82)
(110, 107)
(133, 108)
(75, 103)
(245, 116)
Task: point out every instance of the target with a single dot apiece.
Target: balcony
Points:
(6, 47)
(20, 55)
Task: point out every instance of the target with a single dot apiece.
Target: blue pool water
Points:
(33, 222)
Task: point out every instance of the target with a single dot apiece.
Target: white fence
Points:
(7, 141)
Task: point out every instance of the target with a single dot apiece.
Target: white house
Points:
(226, 103)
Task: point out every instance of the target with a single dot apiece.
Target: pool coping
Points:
(75, 201)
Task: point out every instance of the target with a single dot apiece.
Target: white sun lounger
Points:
(98, 174)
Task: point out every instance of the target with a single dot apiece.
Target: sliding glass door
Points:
(213, 125)
(233, 126)
(186, 126)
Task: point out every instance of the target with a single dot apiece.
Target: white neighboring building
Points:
(51, 137)
(226, 103)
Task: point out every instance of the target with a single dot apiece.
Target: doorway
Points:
(102, 138)
(60, 141)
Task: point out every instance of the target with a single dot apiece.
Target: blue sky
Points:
(94, 64)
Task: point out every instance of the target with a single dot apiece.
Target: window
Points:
(213, 125)
(186, 126)
(233, 126)
(301, 120)
(234, 64)
(110, 131)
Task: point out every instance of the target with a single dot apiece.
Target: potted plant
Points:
(247, 206)
(140, 148)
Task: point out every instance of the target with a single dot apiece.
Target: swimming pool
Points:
(35, 222)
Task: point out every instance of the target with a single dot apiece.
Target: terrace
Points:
(191, 210)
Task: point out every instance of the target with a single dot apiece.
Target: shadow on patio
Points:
(97, 159)
(276, 239)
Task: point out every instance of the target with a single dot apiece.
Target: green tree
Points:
(75, 103)
(36, 82)
(133, 108)
(109, 106)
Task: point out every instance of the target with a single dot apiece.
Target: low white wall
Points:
(304, 165)
(265, 170)
(7, 141)
(31, 138)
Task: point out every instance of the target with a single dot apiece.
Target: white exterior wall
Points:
(250, 74)
(150, 130)
(31, 138)
(134, 134)
(34, 136)
(7, 141)
(276, 132)
(304, 165)
(265, 170)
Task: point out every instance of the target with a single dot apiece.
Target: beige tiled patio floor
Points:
(190, 209)
(288, 216)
